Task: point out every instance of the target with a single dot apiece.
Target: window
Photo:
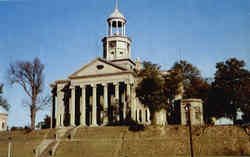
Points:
(140, 116)
(112, 44)
(3, 125)
(197, 113)
(146, 113)
(99, 67)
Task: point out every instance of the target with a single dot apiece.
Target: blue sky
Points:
(67, 34)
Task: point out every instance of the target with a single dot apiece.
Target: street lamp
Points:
(187, 109)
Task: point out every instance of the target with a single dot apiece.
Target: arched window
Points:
(3, 125)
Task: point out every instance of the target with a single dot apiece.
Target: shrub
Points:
(132, 125)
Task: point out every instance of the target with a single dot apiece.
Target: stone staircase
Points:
(48, 147)
(43, 145)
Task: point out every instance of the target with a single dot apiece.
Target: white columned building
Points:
(103, 90)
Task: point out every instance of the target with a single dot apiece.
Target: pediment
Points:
(97, 67)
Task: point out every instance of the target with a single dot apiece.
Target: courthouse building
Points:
(102, 91)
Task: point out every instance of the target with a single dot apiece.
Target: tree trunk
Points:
(153, 117)
(33, 114)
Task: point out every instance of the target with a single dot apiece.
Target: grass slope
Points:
(119, 142)
(23, 143)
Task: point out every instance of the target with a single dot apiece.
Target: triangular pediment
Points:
(97, 66)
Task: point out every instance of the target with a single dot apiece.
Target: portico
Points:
(94, 103)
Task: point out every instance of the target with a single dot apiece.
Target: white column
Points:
(133, 103)
(58, 108)
(117, 98)
(124, 105)
(148, 116)
(105, 103)
(128, 95)
(110, 27)
(94, 108)
(52, 111)
(143, 116)
(83, 106)
(62, 123)
(124, 27)
(72, 108)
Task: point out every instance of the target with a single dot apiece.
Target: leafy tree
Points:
(29, 75)
(173, 89)
(191, 78)
(173, 85)
(150, 89)
(45, 124)
(3, 102)
(231, 88)
(156, 89)
(195, 86)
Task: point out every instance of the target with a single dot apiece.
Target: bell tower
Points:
(116, 45)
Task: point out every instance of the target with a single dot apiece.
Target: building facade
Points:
(196, 111)
(103, 91)
(3, 119)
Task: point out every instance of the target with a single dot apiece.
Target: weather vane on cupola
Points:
(116, 45)
(116, 5)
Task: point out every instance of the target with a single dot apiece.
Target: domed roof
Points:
(116, 15)
(2, 110)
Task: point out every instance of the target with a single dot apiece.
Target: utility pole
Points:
(9, 148)
(187, 108)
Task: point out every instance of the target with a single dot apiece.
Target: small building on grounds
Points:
(3, 119)
(196, 111)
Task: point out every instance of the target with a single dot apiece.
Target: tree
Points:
(173, 89)
(29, 75)
(155, 89)
(45, 124)
(173, 82)
(191, 78)
(3, 102)
(195, 86)
(232, 88)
